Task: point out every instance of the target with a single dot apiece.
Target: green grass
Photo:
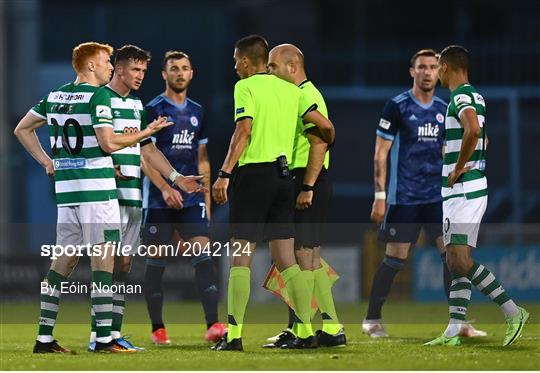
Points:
(410, 325)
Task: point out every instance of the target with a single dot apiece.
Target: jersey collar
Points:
(423, 106)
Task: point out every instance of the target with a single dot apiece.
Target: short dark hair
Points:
(254, 47)
(131, 52)
(423, 52)
(456, 56)
(174, 55)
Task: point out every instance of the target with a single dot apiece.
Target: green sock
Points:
(325, 301)
(486, 282)
(49, 300)
(102, 304)
(237, 299)
(297, 288)
(119, 303)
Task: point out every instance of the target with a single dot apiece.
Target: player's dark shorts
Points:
(160, 224)
(309, 222)
(402, 223)
(262, 203)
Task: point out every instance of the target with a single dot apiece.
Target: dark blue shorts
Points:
(160, 224)
(402, 223)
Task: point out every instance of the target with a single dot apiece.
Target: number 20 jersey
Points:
(83, 172)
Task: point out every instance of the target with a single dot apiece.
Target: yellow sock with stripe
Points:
(325, 301)
(297, 288)
(237, 299)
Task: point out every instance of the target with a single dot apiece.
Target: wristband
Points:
(174, 175)
(307, 188)
(380, 195)
(224, 174)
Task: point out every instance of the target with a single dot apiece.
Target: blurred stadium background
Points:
(357, 52)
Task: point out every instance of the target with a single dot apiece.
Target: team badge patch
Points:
(462, 99)
(136, 113)
(194, 121)
(439, 117)
(383, 123)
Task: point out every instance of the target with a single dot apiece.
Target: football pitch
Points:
(409, 324)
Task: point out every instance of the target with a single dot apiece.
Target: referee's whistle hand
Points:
(378, 210)
(304, 200)
(219, 190)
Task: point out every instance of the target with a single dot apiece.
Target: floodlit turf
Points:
(403, 350)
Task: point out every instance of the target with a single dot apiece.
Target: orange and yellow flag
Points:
(276, 285)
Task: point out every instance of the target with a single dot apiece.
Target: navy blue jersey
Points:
(179, 143)
(417, 132)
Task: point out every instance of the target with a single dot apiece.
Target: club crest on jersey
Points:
(428, 132)
(136, 113)
(439, 117)
(194, 121)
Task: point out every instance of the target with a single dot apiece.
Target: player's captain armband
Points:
(462, 99)
(103, 111)
(383, 123)
(240, 110)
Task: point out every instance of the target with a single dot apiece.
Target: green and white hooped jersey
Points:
(83, 172)
(474, 182)
(128, 116)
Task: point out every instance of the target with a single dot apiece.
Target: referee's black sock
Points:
(292, 318)
(205, 278)
(153, 291)
(382, 283)
(447, 277)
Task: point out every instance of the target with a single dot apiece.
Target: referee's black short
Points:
(262, 203)
(309, 222)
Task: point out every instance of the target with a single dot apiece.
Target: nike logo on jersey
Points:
(428, 132)
(183, 138)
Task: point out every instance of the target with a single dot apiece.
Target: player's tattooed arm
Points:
(26, 134)
(382, 148)
(204, 171)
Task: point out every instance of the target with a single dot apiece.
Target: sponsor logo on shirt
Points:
(183, 140)
(428, 132)
(69, 163)
(383, 123)
(194, 121)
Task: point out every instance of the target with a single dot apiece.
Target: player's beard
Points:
(176, 88)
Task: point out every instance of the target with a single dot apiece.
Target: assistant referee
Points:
(262, 206)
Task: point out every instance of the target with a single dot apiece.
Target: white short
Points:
(93, 223)
(461, 220)
(131, 227)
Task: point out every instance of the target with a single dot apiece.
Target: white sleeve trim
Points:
(103, 125)
(37, 114)
(465, 108)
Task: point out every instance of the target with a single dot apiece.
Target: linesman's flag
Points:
(276, 285)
